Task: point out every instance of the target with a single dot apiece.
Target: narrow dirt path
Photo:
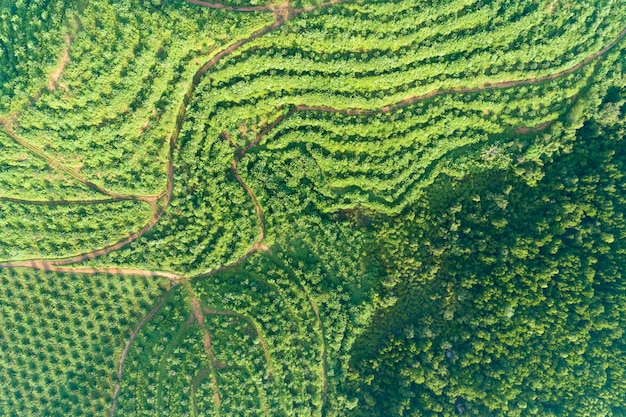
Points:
(258, 244)
(52, 265)
(53, 83)
(523, 130)
(324, 365)
(60, 202)
(195, 384)
(208, 349)
(175, 279)
(199, 312)
(285, 6)
(55, 75)
(207, 343)
(8, 125)
(261, 392)
(131, 339)
(256, 328)
(53, 163)
(233, 8)
(282, 13)
(318, 6)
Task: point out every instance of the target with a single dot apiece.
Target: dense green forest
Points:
(309, 208)
(509, 296)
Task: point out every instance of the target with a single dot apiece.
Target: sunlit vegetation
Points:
(27, 176)
(382, 162)
(511, 298)
(347, 56)
(209, 222)
(33, 231)
(61, 337)
(379, 161)
(365, 208)
(126, 69)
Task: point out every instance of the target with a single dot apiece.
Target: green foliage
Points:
(24, 175)
(379, 162)
(209, 222)
(111, 111)
(377, 208)
(30, 34)
(510, 297)
(61, 338)
(32, 231)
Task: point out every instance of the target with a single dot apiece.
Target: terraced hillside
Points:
(285, 167)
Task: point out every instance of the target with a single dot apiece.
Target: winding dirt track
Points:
(233, 8)
(60, 202)
(256, 328)
(267, 8)
(131, 339)
(282, 13)
(198, 313)
(318, 318)
(53, 82)
(52, 162)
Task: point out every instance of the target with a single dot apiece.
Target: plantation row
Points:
(111, 111)
(31, 231)
(383, 161)
(298, 65)
(61, 337)
(362, 210)
(24, 175)
(211, 222)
